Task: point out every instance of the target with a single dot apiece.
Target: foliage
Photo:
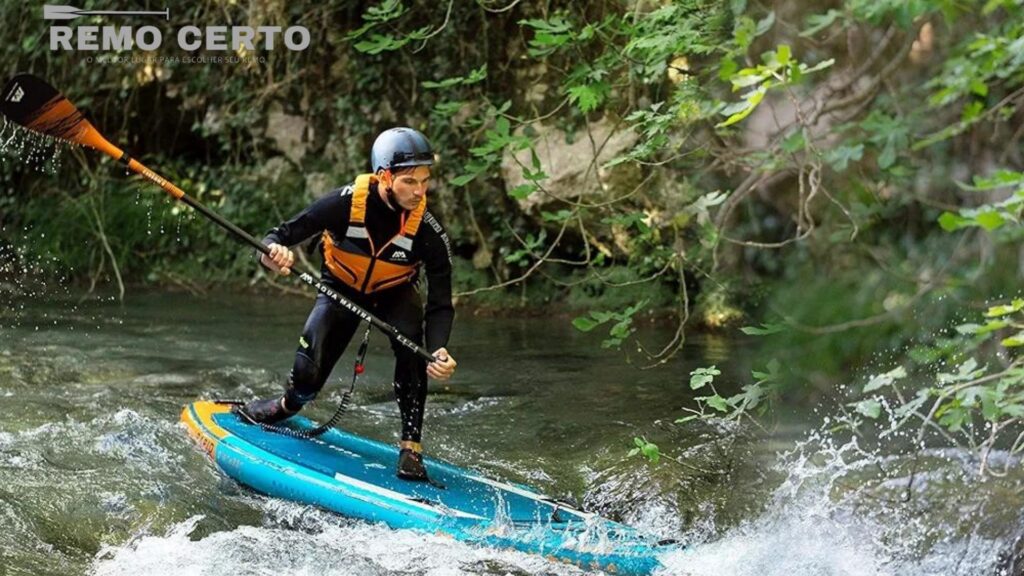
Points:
(978, 405)
(754, 399)
(646, 449)
(701, 161)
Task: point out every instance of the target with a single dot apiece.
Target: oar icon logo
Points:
(71, 12)
(16, 95)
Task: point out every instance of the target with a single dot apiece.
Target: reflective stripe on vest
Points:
(357, 262)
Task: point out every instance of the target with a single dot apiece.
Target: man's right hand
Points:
(279, 260)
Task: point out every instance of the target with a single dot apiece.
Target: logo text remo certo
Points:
(93, 38)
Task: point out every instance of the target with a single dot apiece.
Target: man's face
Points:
(410, 186)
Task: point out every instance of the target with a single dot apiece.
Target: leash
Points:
(343, 406)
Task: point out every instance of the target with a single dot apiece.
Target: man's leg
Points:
(327, 332)
(403, 309)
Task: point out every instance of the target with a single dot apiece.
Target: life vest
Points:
(363, 266)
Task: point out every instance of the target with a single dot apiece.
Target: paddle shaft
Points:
(306, 277)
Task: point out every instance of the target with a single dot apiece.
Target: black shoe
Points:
(410, 466)
(266, 411)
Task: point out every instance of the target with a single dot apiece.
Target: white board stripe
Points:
(531, 495)
(381, 491)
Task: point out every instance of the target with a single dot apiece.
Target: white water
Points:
(301, 541)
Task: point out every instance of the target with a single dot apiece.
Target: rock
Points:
(568, 165)
(288, 133)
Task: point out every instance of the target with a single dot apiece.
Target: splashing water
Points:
(301, 541)
(42, 153)
(846, 511)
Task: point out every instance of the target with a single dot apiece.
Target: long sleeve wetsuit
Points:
(329, 328)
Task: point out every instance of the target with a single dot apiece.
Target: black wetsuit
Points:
(329, 327)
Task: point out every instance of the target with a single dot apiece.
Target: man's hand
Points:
(443, 367)
(279, 260)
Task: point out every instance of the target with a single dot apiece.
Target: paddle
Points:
(31, 103)
(71, 12)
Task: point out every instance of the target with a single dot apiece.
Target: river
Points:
(98, 476)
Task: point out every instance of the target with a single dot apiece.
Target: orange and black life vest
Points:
(363, 266)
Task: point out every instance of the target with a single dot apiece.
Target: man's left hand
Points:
(443, 367)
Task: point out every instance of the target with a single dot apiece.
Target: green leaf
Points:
(1001, 179)
(381, 43)
(1014, 341)
(965, 372)
(765, 24)
(752, 99)
(647, 449)
(888, 156)
(717, 402)
(1002, 310)
(870, 408)
(783, 54)
(839, 158)
(522, 191)
(819, 66)
(951, 222)
(502, 126)
(795, 142)
(953, 418)
(886, 379)
(585, 324)
(818, 22)
(978, 329)
(464, 179)
(476, 75)
(588, 96)
(771, 375)
(449, 108)
(763, 330)
(560, 216)
(990, 220)
(702, 376)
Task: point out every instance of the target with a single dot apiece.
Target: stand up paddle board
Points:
(355, 476)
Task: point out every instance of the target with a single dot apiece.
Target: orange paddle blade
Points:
(30, 102)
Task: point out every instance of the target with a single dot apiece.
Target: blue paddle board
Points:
(355, 476)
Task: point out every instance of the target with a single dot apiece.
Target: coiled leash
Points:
(343, 406)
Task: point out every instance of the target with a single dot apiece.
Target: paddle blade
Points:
(30, 102)
(60, 12)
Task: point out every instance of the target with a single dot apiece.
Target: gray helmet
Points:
(400, 148)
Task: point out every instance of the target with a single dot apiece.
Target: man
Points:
(376, 234)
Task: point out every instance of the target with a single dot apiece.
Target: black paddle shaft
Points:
(312, 281)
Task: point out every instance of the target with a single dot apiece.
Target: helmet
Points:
(399, 148)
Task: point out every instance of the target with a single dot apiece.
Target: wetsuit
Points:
(329, 327)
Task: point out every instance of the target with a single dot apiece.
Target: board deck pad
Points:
(355, 476)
